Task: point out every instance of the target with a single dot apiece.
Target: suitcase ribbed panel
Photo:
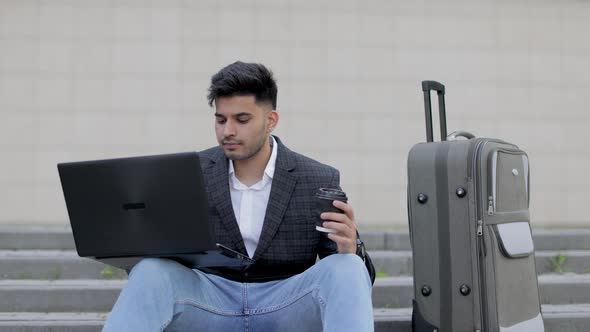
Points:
(442, 237)
(424, 232)
(462, 237)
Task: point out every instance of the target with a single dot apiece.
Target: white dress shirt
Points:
(249, 203)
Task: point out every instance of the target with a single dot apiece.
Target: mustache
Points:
(228, 141)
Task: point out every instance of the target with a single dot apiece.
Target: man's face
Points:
(242, 126)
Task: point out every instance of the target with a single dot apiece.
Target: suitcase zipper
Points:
(482, 279)
(480, 238)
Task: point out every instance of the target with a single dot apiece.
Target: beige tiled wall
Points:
(88, 79)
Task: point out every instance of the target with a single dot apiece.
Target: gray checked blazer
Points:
(289, 242)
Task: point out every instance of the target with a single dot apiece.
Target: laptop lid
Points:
(139, 206)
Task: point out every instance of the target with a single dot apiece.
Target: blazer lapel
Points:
(283, 184)
(217, 179)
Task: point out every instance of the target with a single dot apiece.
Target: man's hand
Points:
(344, 225)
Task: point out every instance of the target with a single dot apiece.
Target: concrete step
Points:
(60, 238)
(555, 239)
(100, 295)
(557, 318)
(59, 295)
(396, 263)
(36, 237)
(65, 264)
(53, 264)
(398, 292)
(46, 322)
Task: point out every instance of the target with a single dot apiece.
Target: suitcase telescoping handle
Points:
(428, 86)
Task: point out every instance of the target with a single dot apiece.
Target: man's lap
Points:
(204, 300)
(300, 315)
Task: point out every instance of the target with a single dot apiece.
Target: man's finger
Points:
(335, 217)
(339, 227)
(347, 209)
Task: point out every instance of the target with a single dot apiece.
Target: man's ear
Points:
(273, 120)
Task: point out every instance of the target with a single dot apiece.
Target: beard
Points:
(250, 150)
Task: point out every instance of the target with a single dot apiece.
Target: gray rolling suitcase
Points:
(473, 255)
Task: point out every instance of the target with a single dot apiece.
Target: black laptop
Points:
(122, 210)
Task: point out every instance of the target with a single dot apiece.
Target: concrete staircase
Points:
(45, 286)
(562, 259)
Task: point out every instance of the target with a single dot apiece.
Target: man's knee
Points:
(153, 267)
(344, 261)
(346, 268)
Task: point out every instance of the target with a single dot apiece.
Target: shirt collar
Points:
(270, 166)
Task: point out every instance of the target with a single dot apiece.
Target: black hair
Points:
(244, 79)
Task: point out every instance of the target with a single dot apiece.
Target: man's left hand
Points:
(344, 225)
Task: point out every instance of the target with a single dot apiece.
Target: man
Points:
(261, 196)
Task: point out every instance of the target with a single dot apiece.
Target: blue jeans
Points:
(332, 295)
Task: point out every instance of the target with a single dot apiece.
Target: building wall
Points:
(98, 79)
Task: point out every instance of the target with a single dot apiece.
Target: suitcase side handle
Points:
(460, 133)
(428, 86)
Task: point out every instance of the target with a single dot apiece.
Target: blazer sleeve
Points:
(329, 247)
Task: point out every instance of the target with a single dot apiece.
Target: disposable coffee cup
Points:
(324, 199)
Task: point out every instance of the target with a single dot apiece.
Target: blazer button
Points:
(246, 274)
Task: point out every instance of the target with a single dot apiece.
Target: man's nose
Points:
(229, 129)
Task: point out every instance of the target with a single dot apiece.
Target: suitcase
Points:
(473, 254)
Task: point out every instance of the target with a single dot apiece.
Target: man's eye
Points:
(221, 121)
(243, 120)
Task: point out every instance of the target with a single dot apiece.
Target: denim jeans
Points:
(162, 295)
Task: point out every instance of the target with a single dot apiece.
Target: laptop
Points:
(122, 210)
